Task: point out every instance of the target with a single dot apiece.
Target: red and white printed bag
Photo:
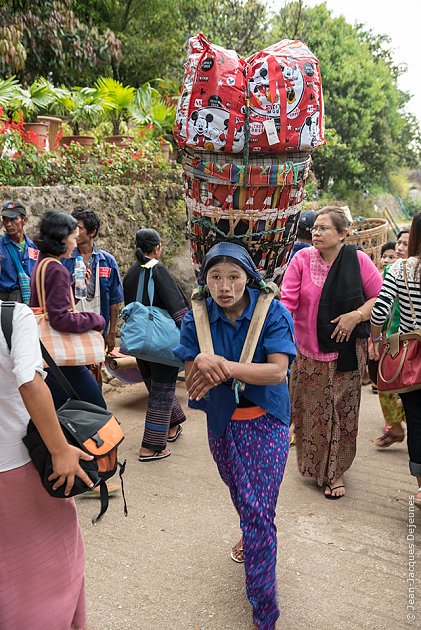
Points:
(286, 102)
(211, 108)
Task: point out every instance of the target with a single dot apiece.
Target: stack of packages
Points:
(247, 129)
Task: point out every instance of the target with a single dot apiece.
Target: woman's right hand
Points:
(66, 466)
(212, 367)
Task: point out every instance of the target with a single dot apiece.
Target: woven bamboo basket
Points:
(268, 234)
(369, 235)
(258, 203)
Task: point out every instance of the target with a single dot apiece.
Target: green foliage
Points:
(150, 109)
(7, 91)
(154, 33)
(105, 164)
(83, 107)
(35, 35)
(33, 100)
(117, 98)
(368, 132)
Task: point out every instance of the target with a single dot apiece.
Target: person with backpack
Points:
(18, 252)
(42, 557)
(247, 406)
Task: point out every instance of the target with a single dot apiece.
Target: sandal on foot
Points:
(331, 496)
(292, 440)
(176, 435)
(155, 456)
(237, 552)
(387, 439)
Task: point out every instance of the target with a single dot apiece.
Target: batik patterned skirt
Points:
(41, 556)
(325, 407)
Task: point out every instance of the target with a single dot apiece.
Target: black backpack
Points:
(89, 427)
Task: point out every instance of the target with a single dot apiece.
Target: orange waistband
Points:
(247, 413)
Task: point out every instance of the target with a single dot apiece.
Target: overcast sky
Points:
(401, 20)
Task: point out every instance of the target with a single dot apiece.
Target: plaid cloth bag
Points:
(66, 348)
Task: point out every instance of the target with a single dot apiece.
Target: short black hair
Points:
(89, 218)
(404, 231)
(386, 246)
(146, 239)
(55, 226)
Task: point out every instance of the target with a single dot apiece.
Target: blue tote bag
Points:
(149, 332)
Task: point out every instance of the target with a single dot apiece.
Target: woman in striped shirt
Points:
(394, 286)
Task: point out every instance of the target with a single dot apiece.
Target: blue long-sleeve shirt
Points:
(277, 336)
(110, 285)
(9, 275)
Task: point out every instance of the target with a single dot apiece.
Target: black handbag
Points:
(87, 426)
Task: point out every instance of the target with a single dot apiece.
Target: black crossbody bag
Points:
(87, 426)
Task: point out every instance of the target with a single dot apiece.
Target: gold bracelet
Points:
(362, 316)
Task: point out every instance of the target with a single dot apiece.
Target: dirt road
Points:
(342, 565)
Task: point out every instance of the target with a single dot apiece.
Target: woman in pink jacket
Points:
(330, 289)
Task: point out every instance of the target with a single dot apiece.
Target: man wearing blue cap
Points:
(18, 252)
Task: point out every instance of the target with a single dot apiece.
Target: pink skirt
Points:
(42, 557)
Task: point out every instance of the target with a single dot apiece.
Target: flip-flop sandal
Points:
(332, 497)
(388, 439)
(175, 437)
(237, 552)
(157, 455)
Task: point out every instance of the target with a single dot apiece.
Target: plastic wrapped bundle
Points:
(270, 102)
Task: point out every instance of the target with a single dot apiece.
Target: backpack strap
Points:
(7, 309)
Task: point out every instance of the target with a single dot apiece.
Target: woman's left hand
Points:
(375, 353)
(345, 324)
(199, 387)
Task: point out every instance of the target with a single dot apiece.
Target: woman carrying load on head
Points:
(164, 415)
(248, 439)
(330, 289)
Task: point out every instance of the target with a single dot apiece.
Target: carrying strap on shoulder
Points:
(201, 320)
(15, 258)
(151, 284)
(22, 276)
(7, 309)
(60, 378)
(6, 320)
(411, 304)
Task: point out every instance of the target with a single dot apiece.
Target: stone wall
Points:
(123, 210)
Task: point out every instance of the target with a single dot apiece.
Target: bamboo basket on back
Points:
(369, 235)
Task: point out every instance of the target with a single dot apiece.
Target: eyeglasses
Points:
(320, 228)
